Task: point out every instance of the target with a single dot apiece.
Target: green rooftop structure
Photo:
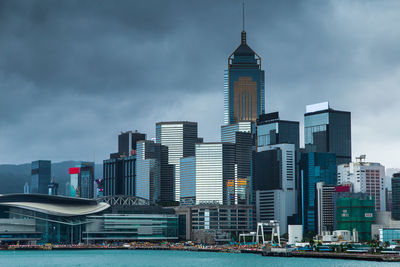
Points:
(356, 212)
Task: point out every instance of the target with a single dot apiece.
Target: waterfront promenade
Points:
(210, 248)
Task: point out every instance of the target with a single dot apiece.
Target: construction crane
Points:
(274, 224)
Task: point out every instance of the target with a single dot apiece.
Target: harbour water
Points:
(119, 258)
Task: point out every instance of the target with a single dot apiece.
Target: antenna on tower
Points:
(243, 32)
(243, 15)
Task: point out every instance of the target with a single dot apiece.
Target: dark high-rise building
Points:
(127, 142)
(314, 168)
(244, 96)
(119, 176)
(328, 130)
(396, 196)
(271, 131)
(119, 170)
(41, 175)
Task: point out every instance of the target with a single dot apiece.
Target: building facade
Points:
(180, 138)
(41, 176)
(355, 212)
(215, 173)
(82, 180)
(244, 92)
(325, 207)
(396, 196)
(314, 168)
(154, 176)
(328, 130)
(366, 177)
(271, 130)
(275, 185)
(188, 181)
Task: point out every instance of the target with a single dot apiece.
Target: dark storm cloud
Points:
(75, 73)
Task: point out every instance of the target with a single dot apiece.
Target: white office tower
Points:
(215, 168)
(366, 177)
(275, 184)
(180, 138)
(325, 207)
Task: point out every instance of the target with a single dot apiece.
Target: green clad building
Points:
(356, 212)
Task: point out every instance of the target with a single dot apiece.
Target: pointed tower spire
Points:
(243, 31)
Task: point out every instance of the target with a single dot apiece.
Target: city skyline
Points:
(51, 109)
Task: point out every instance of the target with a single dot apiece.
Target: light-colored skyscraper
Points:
(180, 138)
(215, 173)
(366, 177)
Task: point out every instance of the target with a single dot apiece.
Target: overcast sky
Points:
(73, 74)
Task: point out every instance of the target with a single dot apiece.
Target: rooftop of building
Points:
(53, 205)
(176, 122)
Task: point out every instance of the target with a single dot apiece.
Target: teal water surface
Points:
(117, 258)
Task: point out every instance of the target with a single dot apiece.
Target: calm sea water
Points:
(117, 258)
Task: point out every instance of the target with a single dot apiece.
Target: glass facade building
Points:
(314, 168)
(188, 181)
(41, 176)
(271, 130)
(180, 138)
(328, 130)
(244, 92)
(82, 180)
(215, 173)
(396, 196)
(119, 176)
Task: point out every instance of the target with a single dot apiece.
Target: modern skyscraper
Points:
(242, 134)
(119, 170)
(188, 181)
(271, 130)
(127, 142)
(180, 138)
(314, 168)
(41, 175)
(244, 93)
(328, 130)
(82, 180)
(53, 188)
(396, 196)
(366, 177)
(325, 207)
(215, 173)
(275, 168)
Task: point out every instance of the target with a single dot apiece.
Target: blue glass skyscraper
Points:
(314, 168)
(244, 97)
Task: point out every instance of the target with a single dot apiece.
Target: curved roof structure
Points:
(53, 205)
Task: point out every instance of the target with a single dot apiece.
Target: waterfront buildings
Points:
(53, 188)
(154, 176)
(328, 130)
(180, 138)
(271, 130)
(366, 177)
(188, 180)
(314, 168)
(215, 173)
(396, 196)
(356, 211)
(244, 92)
(82, 180)
(27, 218)
(119, 170)
(325, 207)
(275, 183)
(41, 174)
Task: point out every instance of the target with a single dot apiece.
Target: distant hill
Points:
(14, 177)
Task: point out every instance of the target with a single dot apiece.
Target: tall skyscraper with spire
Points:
(244, 92)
